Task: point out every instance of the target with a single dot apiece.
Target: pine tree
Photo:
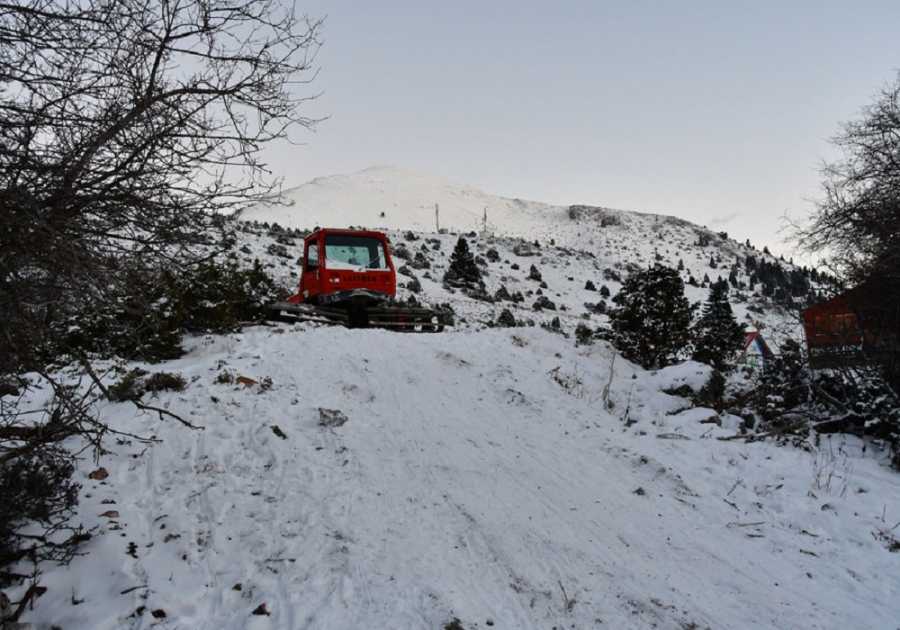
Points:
(784, 384)
(717, 335)
(651, 325)
(463, 271)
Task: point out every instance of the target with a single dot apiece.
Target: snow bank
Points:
(478, 476)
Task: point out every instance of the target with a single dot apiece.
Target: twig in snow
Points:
(568, 604)
(625, 418)
(672, 436)
(605, 395)
(133, 588)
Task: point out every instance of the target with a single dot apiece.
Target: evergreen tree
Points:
(651, 325)
(463, 272)
(717, 335)
(733, 277)
(784, 384)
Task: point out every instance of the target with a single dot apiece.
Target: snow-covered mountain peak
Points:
(398, 198)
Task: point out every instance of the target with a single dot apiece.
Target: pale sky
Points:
(717, 112)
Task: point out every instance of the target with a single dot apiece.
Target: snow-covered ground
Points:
(471, 475)
(367, 479)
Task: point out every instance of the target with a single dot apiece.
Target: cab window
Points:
(353, 252)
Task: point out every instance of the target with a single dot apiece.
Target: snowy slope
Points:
(406, 200)
(612, 239)
(565, 272)
(478, 476)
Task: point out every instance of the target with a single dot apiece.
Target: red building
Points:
(858, 326)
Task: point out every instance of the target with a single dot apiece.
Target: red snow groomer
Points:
(348, 277)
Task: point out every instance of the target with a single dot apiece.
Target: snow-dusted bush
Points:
(866, 404)
(784, 385)
(584, 335)
(153, 308)
(506, 319)
(137, 382)
(36, 487)
(712, 394)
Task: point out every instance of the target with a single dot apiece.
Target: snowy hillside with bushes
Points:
(506, 478)
(514, 471)
(580, 254)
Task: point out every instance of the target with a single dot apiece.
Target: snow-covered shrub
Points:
(783, 386)
(128, 387)
(137, 382)
(584, 335)
(413, 285)
(420, 261)
(35, 487)
(400, 251)
(868, 404)
(712, 394)
(151, 309)
(506, 319)
(275, 249)
(543, 302)
(854, 400)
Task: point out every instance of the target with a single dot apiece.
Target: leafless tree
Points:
(128, 126)
(127, 129)
(856, 225)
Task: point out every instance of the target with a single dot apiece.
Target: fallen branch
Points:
(753, 437)
(163, 413)
(672, 436)
(568, 604)
(34, 591)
